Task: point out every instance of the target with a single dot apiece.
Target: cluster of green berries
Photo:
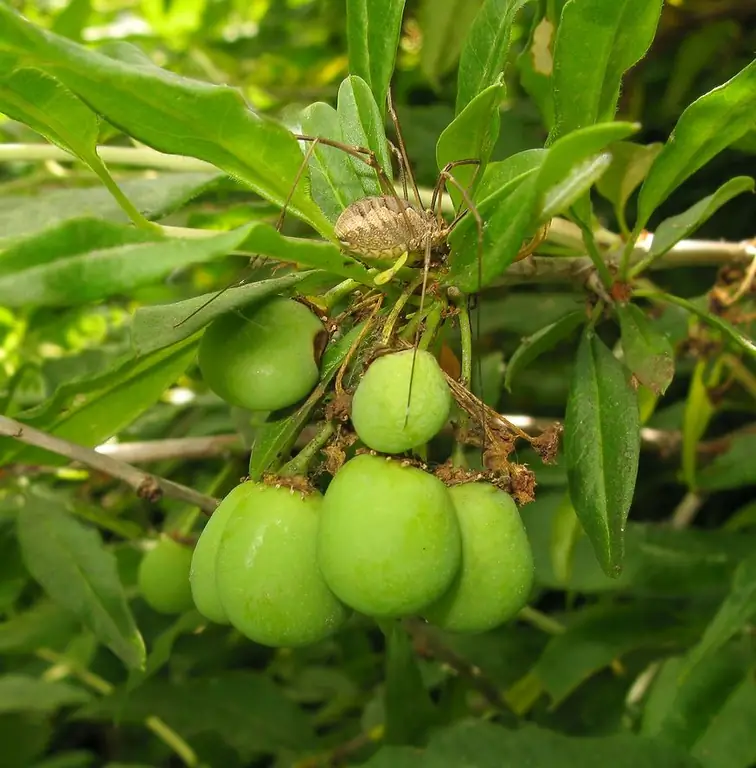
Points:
(287, 565)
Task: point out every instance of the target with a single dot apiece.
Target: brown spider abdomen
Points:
(386, 227)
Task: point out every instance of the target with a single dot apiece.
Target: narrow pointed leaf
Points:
(705, 128)
(373, 28)
(86, 277)
(630, 164)
(471, 136)
(362, 126)
(676, 228)
(601, 447)
(647, 351)
(486, 49)
(597, 42)
(540, 342)
(22, 693)
(168, 112)
(71, 564)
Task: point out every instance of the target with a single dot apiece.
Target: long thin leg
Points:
(400, 165)
(403, 150)
(253, 260)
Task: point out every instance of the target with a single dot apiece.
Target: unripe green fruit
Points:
(496, 576)
(267, 573)
(389, 542)
(202, 574)
(379, 407)
(265, 358)
(163, 577)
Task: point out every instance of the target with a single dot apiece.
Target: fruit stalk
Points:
(301, 462)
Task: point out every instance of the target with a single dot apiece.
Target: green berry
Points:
(202, 574)
(496, 576)
(389, 542)
(267, 573)
(379, 407)
(163, 577)
(264, 358)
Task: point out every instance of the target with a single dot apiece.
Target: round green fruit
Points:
(379, 407)
(265, 358)
(496, 576)
(163, 577)
(389, 542)
(202, 574)
(267, 573)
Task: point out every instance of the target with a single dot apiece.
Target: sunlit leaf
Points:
(373, 28)
(71, 564)
(485, 51)
(705, 128)
(596, 43)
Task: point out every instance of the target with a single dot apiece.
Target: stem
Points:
(595, 255)
(159, 728)
(627, 253)
(432, 321)
(465, 333)
(338, 292)
(147, 486)
(301, 462)
(541, 621)
(186, 448)
(396, 311)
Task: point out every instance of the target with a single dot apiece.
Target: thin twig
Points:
(147, 486)
(144, 451)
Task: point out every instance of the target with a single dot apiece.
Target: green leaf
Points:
(500, 174)
(245, 710)
(705, 128)
(170, 113)
(515, 211)
(21, 693)
(728, 330)
(408, 709)
(566, 531)
(536, 61)
(162, 647)
(675, 228)
(71, 238)
(471, 135)
(373, 28)
(647, 352)
(596, 43)
(601, 447)
(333, 182)
(487, 745)
(71, 564)
(275, 439)
(728, 742)
(542, 341)
(681, 709)
(161, 325)
(91, 410)
(45, 624)
(27, 215)
(598, 637)
(699, 411)
(630, 164)
(444, 26)
(484, 54)
(362, 126)
(734, 468)
(735, 613)
(96, 274)
(571, 189)
(32, 97)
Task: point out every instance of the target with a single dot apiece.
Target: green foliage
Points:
(146, 152)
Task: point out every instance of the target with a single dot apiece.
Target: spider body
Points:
(386, 227)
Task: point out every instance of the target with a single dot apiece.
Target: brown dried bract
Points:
(296, 483)
(522, 484)
(450, 474)
(150, 490)
(546, 445)
(339, 408)
(335, 451)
